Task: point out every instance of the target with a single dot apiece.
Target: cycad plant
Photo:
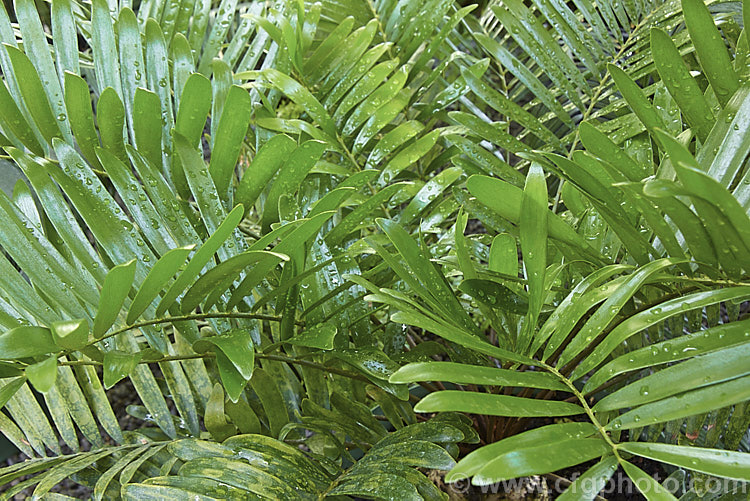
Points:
(284, 223)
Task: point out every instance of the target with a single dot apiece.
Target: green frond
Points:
(284, 222)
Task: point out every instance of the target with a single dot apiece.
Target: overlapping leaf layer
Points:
(284, 223)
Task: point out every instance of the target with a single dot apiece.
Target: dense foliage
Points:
(285, 223)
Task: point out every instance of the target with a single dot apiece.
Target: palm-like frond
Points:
(610, 323)
(548, 69)
(139, 230)
(248, 466)
(250, 210)
(598, 327)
